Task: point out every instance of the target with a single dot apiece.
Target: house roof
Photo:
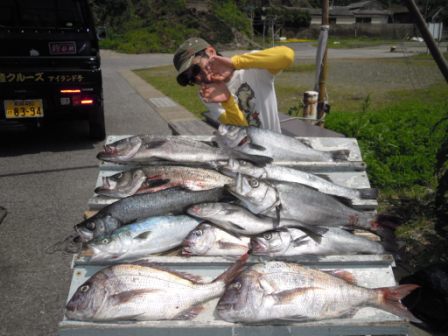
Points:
(378, 12)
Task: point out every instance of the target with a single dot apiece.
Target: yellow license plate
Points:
(28, 108)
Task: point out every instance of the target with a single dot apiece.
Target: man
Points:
(237, 90)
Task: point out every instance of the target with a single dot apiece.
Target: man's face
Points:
(199, 71)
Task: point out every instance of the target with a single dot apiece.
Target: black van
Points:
(50, 63)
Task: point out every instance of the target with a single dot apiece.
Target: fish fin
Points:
(295, 318)
(190, 313)
(325, 177)
(257, 160)
(155, 143)
(306, 142)
(314, 232)
(289, 295)
(233, 271)
(130, 295)
(256, 147)
(391, 301)
(227, 245)
(340, 155)
(155, 182)
(236, 226)
(183, 275)
(143, 235)
(300, 241)
(344, 275)
(368, 193)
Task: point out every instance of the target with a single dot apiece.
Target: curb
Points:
(180, 120)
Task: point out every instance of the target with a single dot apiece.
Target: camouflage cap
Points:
(185, 53)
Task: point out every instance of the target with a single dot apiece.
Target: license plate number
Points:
(29, 108)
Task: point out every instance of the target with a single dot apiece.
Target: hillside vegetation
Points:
(160, 26)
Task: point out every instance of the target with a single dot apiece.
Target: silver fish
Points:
(144, 149)
(156, 178)
(263, 142)
(295, 201)
(294, 242)
(144, 237)
(143, 292)
(286, 174)
(128, 209)
(209, 240)
(238, 220)
(288, 291)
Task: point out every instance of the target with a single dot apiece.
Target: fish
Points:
(294, 242)
(238, 220)
(280, 291)
(126, 210)
(144, 292)
(295, 201)
(144, 237)
(147, 149)
(286, 174)
(210, 240)
(156, 178)
(263, 142)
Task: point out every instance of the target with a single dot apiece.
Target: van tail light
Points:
(70, 91)
(78, 100)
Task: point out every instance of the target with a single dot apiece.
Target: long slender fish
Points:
(294, 242)
(236, 219)
(156, 178)
(295, 201)
(129, 209)
(263, 142)
(288, 291)
(144, 237)
(144, 292)
(286, 174)
(145, 149)
(210, 240)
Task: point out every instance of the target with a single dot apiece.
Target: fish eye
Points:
(91, 226)
(236, 285)
(105, 241)
(198, 233)
(267, 236)
(84, 288)
(117, 176)
(254, 183)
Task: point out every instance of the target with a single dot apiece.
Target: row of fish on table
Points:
(230, 198)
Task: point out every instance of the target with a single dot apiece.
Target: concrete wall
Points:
(388, 31)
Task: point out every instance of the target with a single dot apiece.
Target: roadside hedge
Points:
(397, 142)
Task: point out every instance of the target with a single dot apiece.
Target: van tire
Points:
(97, 127)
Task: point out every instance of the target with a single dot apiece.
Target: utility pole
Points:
(429, 40)
(321, 100)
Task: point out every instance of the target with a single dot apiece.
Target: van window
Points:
(42, 14)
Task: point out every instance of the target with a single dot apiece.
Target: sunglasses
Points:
(189, 77)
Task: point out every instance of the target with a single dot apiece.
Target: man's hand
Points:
(220, 68)
(216, 92)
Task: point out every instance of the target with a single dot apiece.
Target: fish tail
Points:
(340, 155)
(390, 300)
(368, 193)
(233, 271)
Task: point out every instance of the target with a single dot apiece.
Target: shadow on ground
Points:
(18, 139)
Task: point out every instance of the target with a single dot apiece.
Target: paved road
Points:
(46, 179)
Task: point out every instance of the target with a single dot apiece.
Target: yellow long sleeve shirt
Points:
(251, 81)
